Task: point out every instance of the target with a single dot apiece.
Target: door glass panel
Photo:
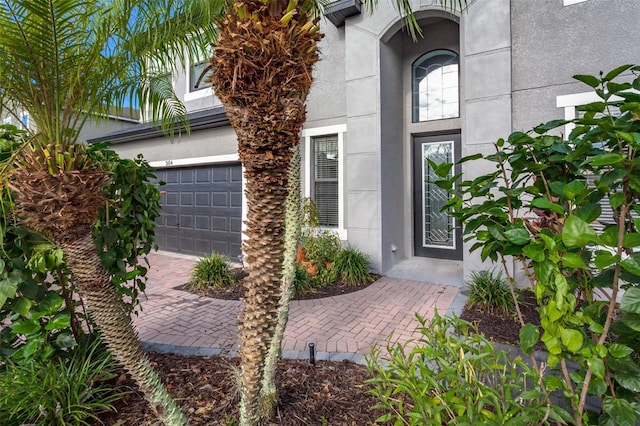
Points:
(438, 229)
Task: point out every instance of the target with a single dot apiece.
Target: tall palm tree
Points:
(65, 61)
(262, 66)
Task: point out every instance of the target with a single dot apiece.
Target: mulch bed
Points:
(505, 328)
(236, 291)
(328, 393)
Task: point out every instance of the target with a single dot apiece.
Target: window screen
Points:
(325, 179)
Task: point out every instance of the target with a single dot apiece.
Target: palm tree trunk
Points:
(269, 396)
(108, 312)
(261, 71)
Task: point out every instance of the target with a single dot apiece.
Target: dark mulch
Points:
(329, 393)
(504, 328)
(236, 291)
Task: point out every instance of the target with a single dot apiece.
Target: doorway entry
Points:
(435, 233)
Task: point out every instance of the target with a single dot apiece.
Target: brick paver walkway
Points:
(350, 323)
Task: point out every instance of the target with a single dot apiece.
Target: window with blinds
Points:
(325, 179)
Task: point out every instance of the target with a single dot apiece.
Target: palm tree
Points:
(262, 65)
(65, 61)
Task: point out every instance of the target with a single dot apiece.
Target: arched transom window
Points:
(434, 78)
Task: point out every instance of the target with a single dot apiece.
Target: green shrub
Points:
(490, 292)
(454, 376)
(211, 271)
(303, 282)
(320, 246)
(351, 266)
(58, 391)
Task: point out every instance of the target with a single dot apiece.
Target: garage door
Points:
(201, 209)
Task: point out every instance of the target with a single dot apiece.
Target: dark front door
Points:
(201, 209)
(435, 233)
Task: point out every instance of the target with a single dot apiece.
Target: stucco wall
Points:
(220, 141)
(552, 42)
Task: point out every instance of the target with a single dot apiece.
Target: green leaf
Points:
(59, 322)
(588, 79)
(543, 203)
(617, 350)
(65, 341)
(631, 240)
(631, 301)
(606, 159)
(529, 336)
(589, 212)
(616, 72)
(534, 252)
(26, 327)
(632, 264)
(519, 236)
(620, 410)
(616, 200)
(51, 303)
(596, 365)
(632, 321)
(8, 288)
(574, 188)
(577, 233)
(629, 381)
(604, 259)
(571, 339)
(573, 260)
(21, 306)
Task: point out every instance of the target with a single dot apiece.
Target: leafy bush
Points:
(454, 376)
(58, 391)
(37, 297)
(320, 246)
(567, 207)
(303, 282)
(351, 267)
(490, 292)
(211, 271)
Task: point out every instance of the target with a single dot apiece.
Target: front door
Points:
(435, 233)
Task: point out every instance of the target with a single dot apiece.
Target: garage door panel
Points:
(236, 199)
(203, 176)
(201, 210)
(186, 175)
(202, 223)
(220, 224)
(236, 225)
(186, 199)
(220, 199)
(171, 198)
(186, 221)
(172, 176)
(203, 199)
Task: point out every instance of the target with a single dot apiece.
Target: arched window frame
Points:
(415, 93)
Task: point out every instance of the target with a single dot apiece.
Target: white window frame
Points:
(307, 135)
(197, 94)
(570, 103)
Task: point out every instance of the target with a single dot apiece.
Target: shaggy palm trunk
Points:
(269, 398)
(261, 67)
(113, 321)
(63, 205)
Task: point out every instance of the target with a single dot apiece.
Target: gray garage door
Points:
(201, 209)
